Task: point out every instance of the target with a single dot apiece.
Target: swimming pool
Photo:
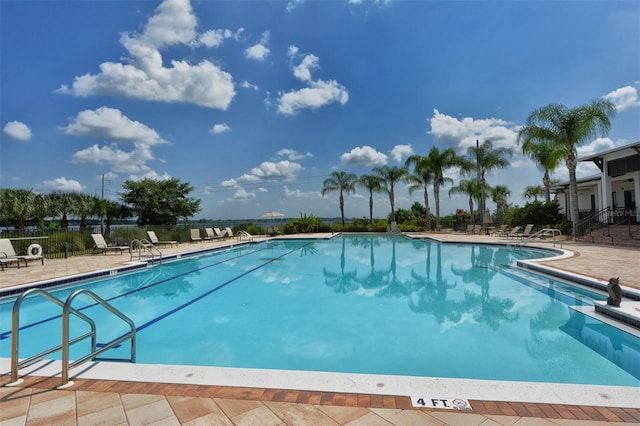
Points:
(358, 304)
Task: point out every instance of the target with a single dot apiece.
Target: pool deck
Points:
(244, 397)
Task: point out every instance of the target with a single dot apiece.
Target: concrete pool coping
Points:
(583, 395)
(488, 390)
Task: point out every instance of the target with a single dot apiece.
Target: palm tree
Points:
(471, 188)
(546, 155)
(372, 184)
(17, 206)
(533, 191)
(568, 129)
(87, 205)
(342, 182)
(440, 161)
(487, 159)
(63, 204)
(389, 175)
(421, 178)
(499, 196)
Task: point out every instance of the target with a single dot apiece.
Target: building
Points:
(611, 193)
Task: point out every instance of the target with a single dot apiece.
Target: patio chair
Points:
(209, 234)
(229, 232)
(154, 240)
(526, 233)
(195, 235)
(505, 232)
(244, 234)
(101, 246)
(8, 254)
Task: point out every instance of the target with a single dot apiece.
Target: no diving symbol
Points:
(461, 404)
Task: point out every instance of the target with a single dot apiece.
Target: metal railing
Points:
(144, 248)
(546, 232)
(67, 309)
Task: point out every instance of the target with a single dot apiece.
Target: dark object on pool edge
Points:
(615, 292)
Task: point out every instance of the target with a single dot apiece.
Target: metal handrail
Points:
(600, 218)
(144, 246)
(67, 309)
(540, 233)
(15, 331)
(65, 334)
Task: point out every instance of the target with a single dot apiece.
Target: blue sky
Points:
(255, 103)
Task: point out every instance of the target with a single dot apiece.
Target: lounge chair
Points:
(512, 233)
(195, 235)
(8, 254)
(245, 235)
(229, 232)
(526, 233)
(209, 234)
(153, 238)
(101, 246)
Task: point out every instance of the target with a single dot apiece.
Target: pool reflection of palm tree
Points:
(343, 281)
(485, 308)
(374, 279)
(394, 287)
(431, 296)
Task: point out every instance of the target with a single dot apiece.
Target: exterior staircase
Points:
(624, 235)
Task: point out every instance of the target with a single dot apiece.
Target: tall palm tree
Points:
(440, 161)
(547, 156)
(421, 178)
(342, 182)
(487, 159)
(389, 175)
(533, 191)
(499, 195)
(568, 129)
(471, 188)
(372, 184)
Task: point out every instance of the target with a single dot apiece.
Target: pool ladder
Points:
(67, 309)
(145, 248)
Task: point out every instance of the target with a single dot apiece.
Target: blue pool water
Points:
(359, 304)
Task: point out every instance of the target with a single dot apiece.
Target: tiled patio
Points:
(88, 402)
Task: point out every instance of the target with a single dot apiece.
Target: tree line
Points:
(157, 202)
(550, 136)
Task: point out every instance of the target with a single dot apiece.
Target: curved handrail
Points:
(541, 233)
(15, 331)
(144, 246)
(65, 333)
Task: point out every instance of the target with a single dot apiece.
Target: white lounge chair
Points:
(209, 234)
(101, 246)
(154, 240)
(195, 235)
(245, 235)
(8, 254)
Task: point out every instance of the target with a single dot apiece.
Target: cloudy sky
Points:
(255, 103)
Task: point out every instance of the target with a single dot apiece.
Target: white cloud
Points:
(259, 51)
(17, 130)
(595, 146)
(464, 133)
(149, 175)
(318, 93)
(624, 97)
(293, 154)
(120, 161)
(220, 128)
(110, 123)
(296, 193)
(399, 152)
(145, 77)
(269, 170)
(230, 183)
(215, 38)
(365, 155)
(62, 184)
(247, 85)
